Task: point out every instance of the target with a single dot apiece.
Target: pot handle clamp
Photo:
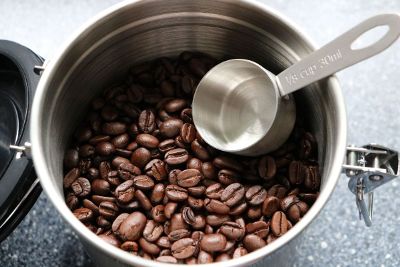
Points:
(369, 167)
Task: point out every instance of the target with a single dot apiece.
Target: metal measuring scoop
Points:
(242, 108)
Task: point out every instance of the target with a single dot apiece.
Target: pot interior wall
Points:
(107, 49)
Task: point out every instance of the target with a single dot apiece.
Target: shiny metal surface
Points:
(239, 107)
(135, 31)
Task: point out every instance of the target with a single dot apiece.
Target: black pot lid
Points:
(19, 187)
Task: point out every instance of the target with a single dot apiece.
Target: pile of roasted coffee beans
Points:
(139, 175)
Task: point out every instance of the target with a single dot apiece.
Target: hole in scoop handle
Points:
(338, 54)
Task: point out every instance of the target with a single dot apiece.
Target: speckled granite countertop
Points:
(336, 238)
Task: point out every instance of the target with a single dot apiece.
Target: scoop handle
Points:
(338, 54)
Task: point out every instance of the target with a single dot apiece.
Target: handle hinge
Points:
(369, 167)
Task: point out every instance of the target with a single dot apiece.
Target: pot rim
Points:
(58, 201)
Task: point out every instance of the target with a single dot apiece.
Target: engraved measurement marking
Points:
(292, 78)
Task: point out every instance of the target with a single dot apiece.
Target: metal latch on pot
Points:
(22, 151)
(369, 167)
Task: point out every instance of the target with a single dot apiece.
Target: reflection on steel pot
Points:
(138, 31)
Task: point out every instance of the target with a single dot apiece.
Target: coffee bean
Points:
(111, 239)
(200, 151)
(296, 172)
(71, 158)
(239, 208)
(83, 214)
(171, 127)
(296, 211)
(166, 145)
(259, 228)
(188, 133)
(86, 150)
(152, 231)
(114, 128)
(147, 140)
(227, 177)
(148, 247)
(194, 163)
(267, 167)
(189, 178)
(108, 210)
(232, 194)
(130, 246)
(270, 206)
(195, 203)
(70, 177)
(140, 157)
(176, 156)
(214, 191)
(128, 171)
(120, 141)
(146, 121)
(72, 201)
(81, 187)
(312, 179)
(278, 191)
(130, 227)
(98, 199)
(143, 200)
(197, 191)
(125, 192)
(288, 201)
(213, 242)
(175, 105)
(113, 178)
(208, 170)
(217, 219)
(256, 195)
(158, 213)
(239, 252)
(99, 138)
(170, 209)
(163, 242)
(215, 206)
(204, 257)
(309, 198)
(188, 215)
(157, 194)
(279, 223)
(176, 193)
(254, 213)
(232, 230)
(222, 257)
(308, 146)
(186, 115)
(143, 182)
(157, 169)
(223, 162)
(178, 234)
(183, 248)
(177, 222)
(167, 259)
(253, 242)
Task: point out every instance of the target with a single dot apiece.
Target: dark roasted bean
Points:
(223, 162)
(129, 226)
(171, 127)
(200, 151)
(204, 257)
(157, 194)
(143, 200)
(297, 172)
(146, 122)
(108, 210)
(256, 195)
(215, 206)
(83, 214)
(111, 239)
(158, 213)
(147, 140)
(176, 156)
(71, 158)
(232, 230)
(270, 206)
(189, 178)
(183, 248)
(148, 247)
(227, 177)
(194, 163)
(215, 191)
(152, 231)
(208, 170)
(176, 193)
(197, 191)
(259, 228)
(125, 192)
(70, 177)
(81, 187)
(232, 194)
(213, 242)
(140, 157)
(166, 145)
(253, 242)
(267, 167)
(279, 223)
(195, 203)
(114, 128)
(312, 179)
(188, 133)
(170, 209)
(217, 219)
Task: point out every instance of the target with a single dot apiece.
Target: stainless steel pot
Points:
(137, 31)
